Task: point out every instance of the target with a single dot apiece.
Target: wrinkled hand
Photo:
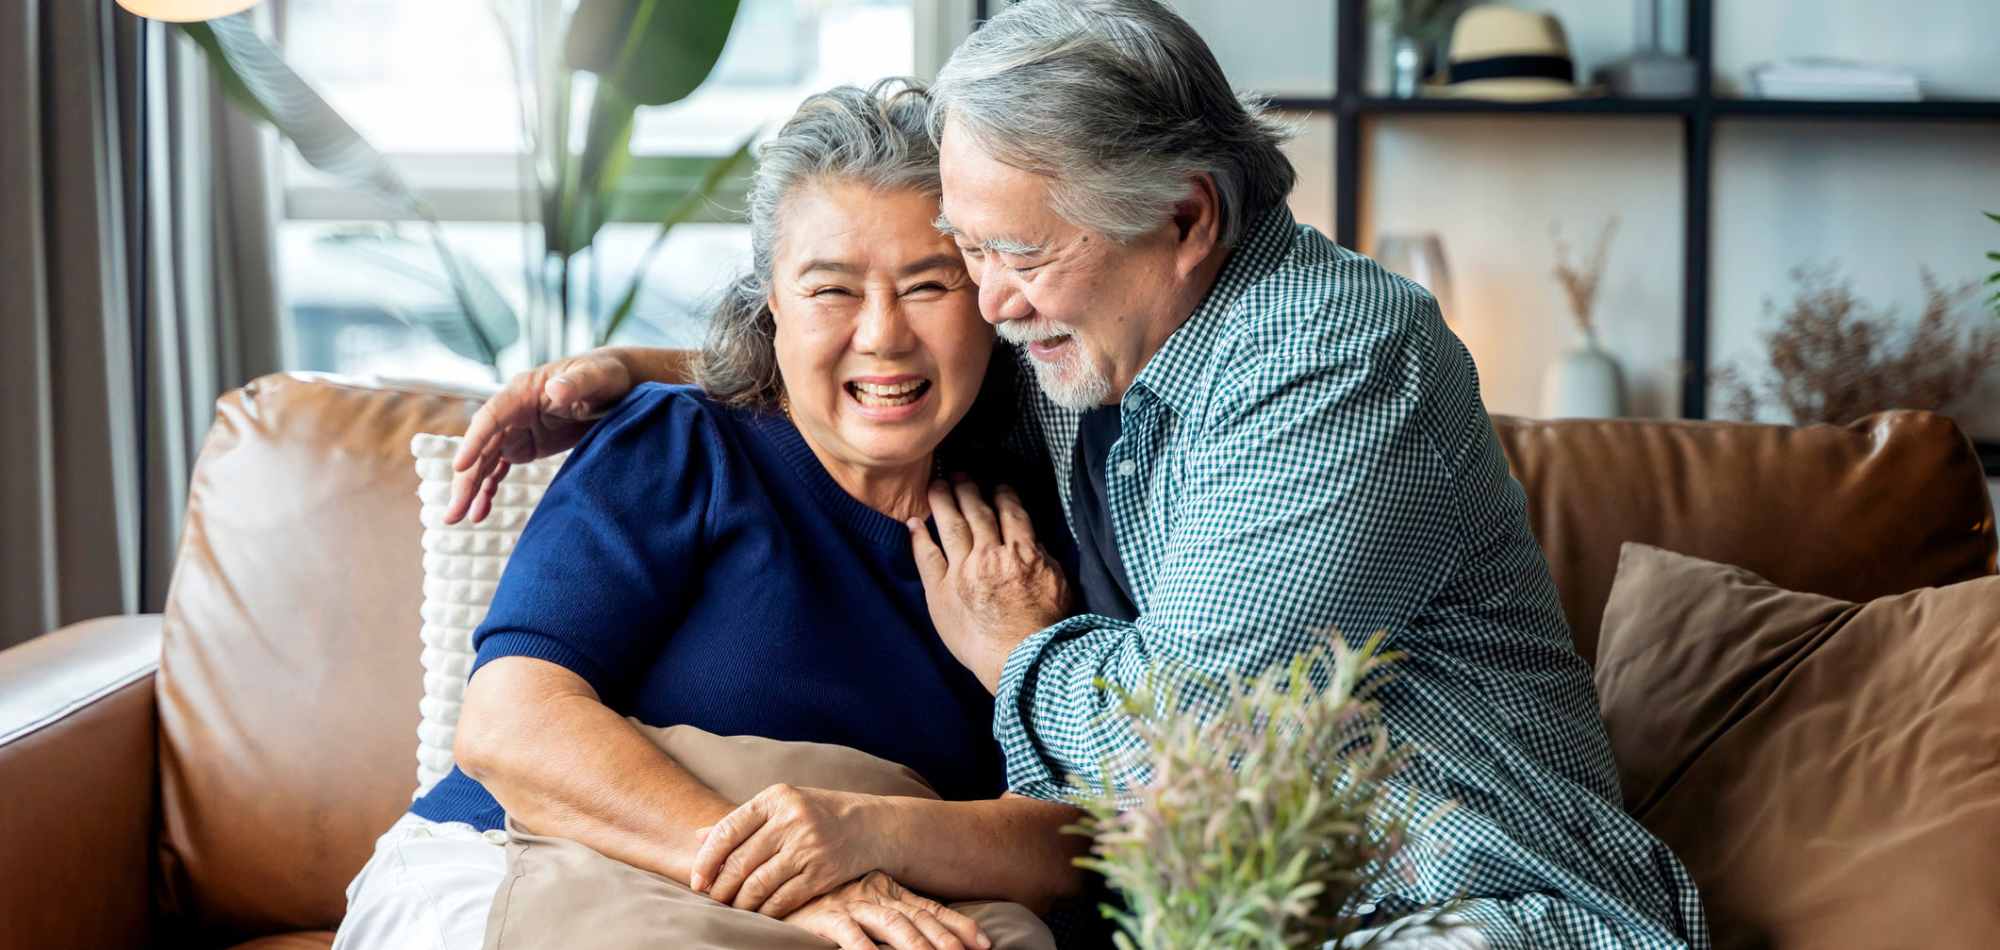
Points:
(989, 585)
(875, 908)
(788, 845)
(539, 413)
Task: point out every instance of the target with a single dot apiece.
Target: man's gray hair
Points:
(1119, 103)
(874, 136)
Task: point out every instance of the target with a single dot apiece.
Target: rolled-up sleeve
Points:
(601, 568)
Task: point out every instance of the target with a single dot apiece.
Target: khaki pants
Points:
(558, 893)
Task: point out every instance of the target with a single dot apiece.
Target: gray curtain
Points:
(127, 302)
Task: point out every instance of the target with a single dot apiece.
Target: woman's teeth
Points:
(889, 394)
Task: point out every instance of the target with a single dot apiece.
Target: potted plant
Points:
(614, 57)
(1251, 813)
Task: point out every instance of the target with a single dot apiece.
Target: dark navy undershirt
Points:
(1107, 592)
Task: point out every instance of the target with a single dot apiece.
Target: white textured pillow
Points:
(462, 565)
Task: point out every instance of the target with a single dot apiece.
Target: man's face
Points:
(1089, 311)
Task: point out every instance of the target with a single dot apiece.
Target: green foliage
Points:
(384, 249)
(686, 208)
(657, 51)
(1254, 814)
(259, 81)
(636, 52)
(1994, 278)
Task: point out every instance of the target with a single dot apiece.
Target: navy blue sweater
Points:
(696, 565)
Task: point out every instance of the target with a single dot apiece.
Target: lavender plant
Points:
(1252, 814)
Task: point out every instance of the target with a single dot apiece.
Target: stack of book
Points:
(1820, 78)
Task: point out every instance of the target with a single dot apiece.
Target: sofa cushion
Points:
(289, 674)
(1889, 503)
(1829, 771)
(462, 567)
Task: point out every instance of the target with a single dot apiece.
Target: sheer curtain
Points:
(128, 302)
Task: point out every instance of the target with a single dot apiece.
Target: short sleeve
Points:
(605, 563)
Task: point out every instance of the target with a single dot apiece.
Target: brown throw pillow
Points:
(1829, 771)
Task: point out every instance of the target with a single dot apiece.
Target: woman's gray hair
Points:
(874, 136)
(1119, 103)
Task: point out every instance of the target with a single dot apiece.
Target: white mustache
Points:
(1022, 333)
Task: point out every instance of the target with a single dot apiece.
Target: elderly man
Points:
(1260, 435)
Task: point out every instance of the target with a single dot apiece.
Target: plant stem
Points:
(596, 290)
(562, 325)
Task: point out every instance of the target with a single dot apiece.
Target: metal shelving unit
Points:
(1353, 110)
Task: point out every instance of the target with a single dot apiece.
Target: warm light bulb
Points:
(186, 11)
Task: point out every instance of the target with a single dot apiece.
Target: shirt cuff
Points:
(1031, 771)
(540, 646)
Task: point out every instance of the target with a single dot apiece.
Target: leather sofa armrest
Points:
(79, 780)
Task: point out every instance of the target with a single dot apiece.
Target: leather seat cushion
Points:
(289, 671)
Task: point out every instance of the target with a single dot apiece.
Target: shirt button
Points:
(494, 835)
(1126, 468)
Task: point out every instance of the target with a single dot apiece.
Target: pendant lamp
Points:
(185, 11)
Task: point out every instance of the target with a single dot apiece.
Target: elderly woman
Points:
(737, 558)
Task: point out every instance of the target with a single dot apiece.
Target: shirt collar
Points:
(1176, 374)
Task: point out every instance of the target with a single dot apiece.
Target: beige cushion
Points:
(554, 882)
(1829, 771)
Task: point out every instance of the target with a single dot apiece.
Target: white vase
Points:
(1584, 383)
(1407, 68)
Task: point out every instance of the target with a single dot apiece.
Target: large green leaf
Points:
(653, 187)
(656, 51)
(257, 78)
(587, 197)
(391, 253)
(695, 199)
(1993, 278)
(555, 165)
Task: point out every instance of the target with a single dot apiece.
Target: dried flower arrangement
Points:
(1579, 280)
(1255, 818)
(1835, 358)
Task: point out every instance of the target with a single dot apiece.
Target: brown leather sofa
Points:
(214, 776)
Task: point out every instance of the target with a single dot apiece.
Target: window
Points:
(430, 85)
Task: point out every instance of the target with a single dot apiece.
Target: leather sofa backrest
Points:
(1889, 503)
(289, 676)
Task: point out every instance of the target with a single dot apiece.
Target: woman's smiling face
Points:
(879, 338)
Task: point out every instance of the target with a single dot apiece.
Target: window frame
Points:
(487, 187)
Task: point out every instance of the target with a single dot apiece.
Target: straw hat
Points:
(1507, 53)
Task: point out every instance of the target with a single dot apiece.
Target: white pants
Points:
(429, 886)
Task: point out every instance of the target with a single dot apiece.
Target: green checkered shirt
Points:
(1309, 451)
